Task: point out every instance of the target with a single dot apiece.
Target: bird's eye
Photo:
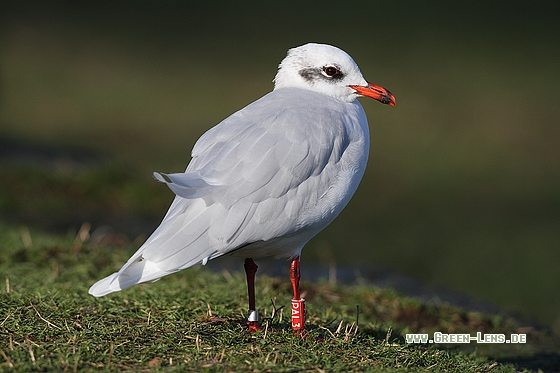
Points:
(330, 71)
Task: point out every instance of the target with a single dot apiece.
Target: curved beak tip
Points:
(389, 100)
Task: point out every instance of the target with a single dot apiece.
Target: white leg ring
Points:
(253, 315)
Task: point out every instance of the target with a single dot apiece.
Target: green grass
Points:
(193, 320)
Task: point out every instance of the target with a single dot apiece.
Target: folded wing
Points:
(251, 177)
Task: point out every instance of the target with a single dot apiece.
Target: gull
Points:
(267, 179)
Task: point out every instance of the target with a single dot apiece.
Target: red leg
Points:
(253, 318)
(298, 305)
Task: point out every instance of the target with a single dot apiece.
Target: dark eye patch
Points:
(329, 72)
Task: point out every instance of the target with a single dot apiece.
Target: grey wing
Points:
(257, 175)
(250, 179)
(266, 172)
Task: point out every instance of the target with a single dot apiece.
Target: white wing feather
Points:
(263, 181)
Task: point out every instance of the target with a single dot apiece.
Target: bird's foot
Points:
(253, 326)
(299, 333)
(253, 321)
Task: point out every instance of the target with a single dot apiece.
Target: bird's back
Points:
(262, 182)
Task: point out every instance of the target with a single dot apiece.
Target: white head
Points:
(326, 69)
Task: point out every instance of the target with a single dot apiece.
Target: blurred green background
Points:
(463, 185)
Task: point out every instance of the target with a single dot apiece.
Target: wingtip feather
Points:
(105, 286)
